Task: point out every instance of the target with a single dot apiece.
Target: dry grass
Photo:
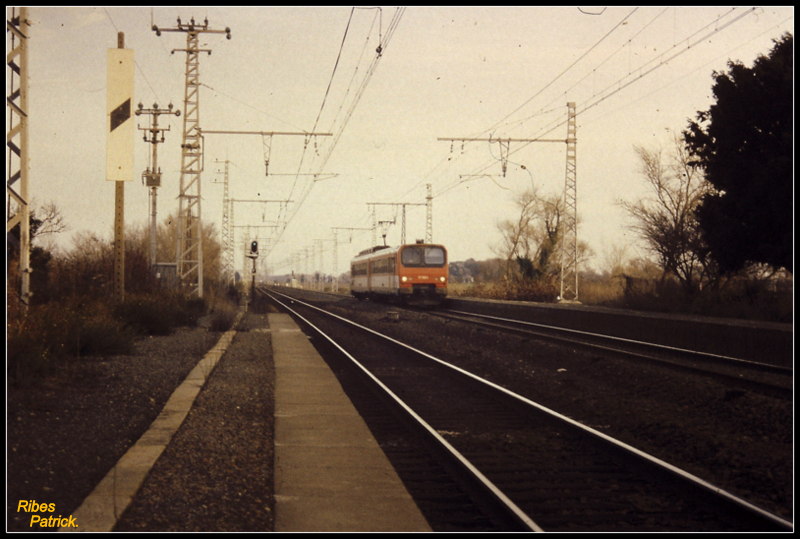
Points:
(742, 300)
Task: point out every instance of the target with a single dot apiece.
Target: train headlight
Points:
(404, 279)
(443, 278)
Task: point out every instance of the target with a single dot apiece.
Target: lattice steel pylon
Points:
(227, 231)
(429, 214)
(569, 256)
(17, 207)
(189, 248)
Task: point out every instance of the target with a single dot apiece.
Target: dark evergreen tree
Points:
(744, 143)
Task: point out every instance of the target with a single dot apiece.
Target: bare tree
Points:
(614, 260)
(50, 220)
(666, 219)
(532, 240)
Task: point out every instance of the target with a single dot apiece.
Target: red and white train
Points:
(414, 273)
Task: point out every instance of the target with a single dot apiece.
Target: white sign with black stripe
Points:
(119, 115)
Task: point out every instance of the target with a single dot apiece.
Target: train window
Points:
(434, 256)
(419, 256)
(383, 265)
(412, 256)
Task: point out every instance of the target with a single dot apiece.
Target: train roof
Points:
(386, 249)
(373, 249)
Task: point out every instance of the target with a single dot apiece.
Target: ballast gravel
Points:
(66, 432)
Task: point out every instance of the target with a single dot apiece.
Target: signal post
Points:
(253, 254)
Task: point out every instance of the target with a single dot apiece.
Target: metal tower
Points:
(429, 215)
(336, 251)
(569, 257)
(17, 209)
(189, 249)
(402, 205)
(227, 231)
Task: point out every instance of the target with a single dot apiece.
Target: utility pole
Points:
(190, 240)
(267, 136)
(318, 264)
(402, 205)
(336, 251)
(119, 146)
(17, 208)
(569, 260)
(152, 176)
(429, 215)
(227, 232)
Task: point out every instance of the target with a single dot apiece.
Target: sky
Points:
(636, 75)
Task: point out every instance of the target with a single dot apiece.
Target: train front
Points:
(422, 273)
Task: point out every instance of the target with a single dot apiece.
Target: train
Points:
(412, 274)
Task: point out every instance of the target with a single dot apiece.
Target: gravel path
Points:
(64, 434)
(216, 473)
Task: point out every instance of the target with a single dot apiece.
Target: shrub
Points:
(103, 336)
(191, 310)
(146, 314)
(222, 319)
(159, 315)
(27, 355)
(53, 332)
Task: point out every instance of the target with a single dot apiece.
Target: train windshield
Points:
(423, 256)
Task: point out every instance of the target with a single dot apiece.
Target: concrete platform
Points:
(330, 473)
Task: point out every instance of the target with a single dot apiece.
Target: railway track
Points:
(537, 469)
(766, 378)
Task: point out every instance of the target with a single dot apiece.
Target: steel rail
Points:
(702, 483)
(717, 370)
(520, 515)
(660, 347)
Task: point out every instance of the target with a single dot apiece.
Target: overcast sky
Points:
(637, 75)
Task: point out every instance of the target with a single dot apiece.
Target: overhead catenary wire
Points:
(339, 130)
(596, 99)
(591, 103)
(704, 65)
(575, 62)
(626, 44)
(643, 70)
(319, 113)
